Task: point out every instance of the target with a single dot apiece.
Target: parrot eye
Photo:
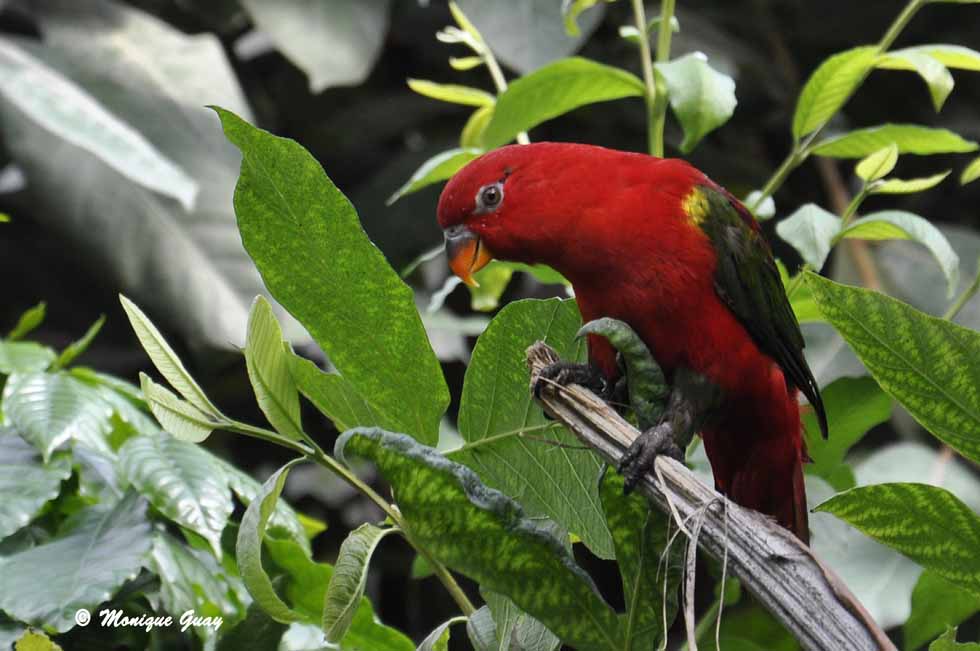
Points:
(489, 197)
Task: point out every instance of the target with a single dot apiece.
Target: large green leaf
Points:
(50, 409)
(830, 86)
(486, 535)
(947, 641)
(335, 397)
(702, 98)
(936, 604)
(24, 357)
(95, 552)
(438, 168)
(928, 524)
(929, 365)
(26, 484)
(651, 575)
(854, 406)
(515, 627)
(811, 231)
(509, 442)
(289, 214)
(335, 43)
(181, 481)
(554, 90)
(346, 587)
(268, 369)
(909, 138)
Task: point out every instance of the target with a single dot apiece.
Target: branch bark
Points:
(783, 574)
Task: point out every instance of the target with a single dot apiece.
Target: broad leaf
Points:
(437, 640)
(509, 442)
(702, 98)
(555, 90)
(346, 588)
(335, 43)
(909, 138)
(486, 535)
(248, 548)
(930, 525)
(897, 224)
(928, 364)
(181, 481)
(289, 213)
(24, 357)
(26, 484)
(811, 231)
(438, 168)
(514, 626)
(651, 575)
(268, 369)
(180, 418)
(854, 406)
(334, 396)
(452, 93)
(947, 641)
(50, 409)
(909, 186)
(482, 631)
(96, 551)
(471, 137)
(933, 72)
(937, 604)
(829, 87)
(28, 321)
(878, 164)
(65, 110)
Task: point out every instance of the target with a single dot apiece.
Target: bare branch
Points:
(783, 574)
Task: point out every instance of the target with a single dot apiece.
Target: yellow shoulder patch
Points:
(695, 206)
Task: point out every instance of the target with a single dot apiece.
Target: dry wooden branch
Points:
(783, 574)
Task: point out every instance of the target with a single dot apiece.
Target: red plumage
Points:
(616, 225)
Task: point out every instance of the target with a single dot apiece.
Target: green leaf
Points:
(76, 348)
(346, 588)
(854, 406)
(901, 225)
(509, 442)
(482, 631)
(952, 56)
(971, 172)
(181, 481)
(471, 137)
(571, 9)
(267, 362)
(49, 410)
(334, 396)
(542, 273)
(28, 321)
(165, 359)
(452, 93)
(289, 213)
(947, 641)
(26, 484)
(929, 365)
(640, 533)
(24, 357)
(908, 186)
(248, 549)
(554, 90)
(933, 72)
(647, 384)
(180, 418)
(465, 63)
(438, 168)
(33, 640)
(54, 103)
(517, 628)
(334, 43)
(936, 604)
(492, 282)
(878, 164)
(702, 98)
(438, 639)
(485, 535)
(256, 631)
(909, 138)
(811, 231)
(928, 524)
(97, 550)
(830, 86)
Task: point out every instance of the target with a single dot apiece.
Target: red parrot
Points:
(655, 243)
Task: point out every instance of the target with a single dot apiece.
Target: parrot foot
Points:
(565, 373)
(643, 452)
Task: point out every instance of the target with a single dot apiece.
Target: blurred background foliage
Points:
(117, 179)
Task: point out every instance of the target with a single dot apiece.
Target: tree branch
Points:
(782, 573)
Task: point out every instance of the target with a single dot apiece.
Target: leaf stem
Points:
(965, 297)
(664, 33)
(646, 62)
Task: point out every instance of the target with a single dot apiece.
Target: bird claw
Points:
(565, 373)
(643, 452)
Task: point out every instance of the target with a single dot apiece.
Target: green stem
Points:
(646, 63)
(900, 22)
(965, 297)
(852, 207)
(664, 34)
(265, 435)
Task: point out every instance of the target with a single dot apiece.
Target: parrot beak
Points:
(466, 253)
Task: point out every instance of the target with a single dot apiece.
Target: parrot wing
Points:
(748, 282)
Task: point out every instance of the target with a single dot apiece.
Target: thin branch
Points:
(783, 574)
